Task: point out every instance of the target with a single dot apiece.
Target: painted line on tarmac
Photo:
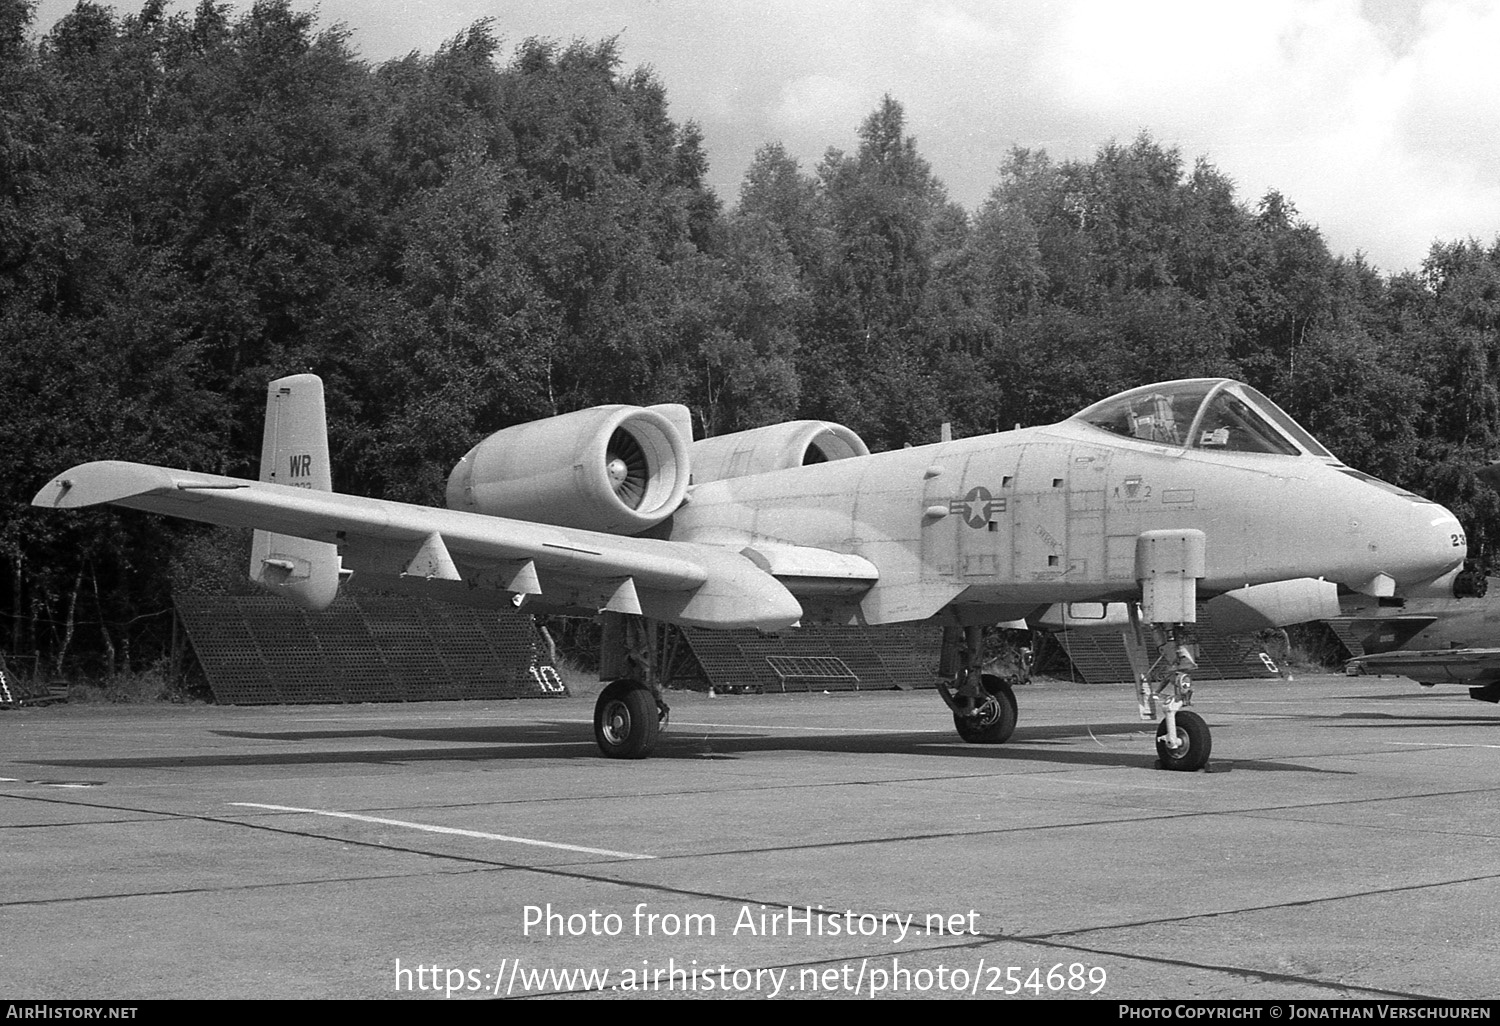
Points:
(1093, 781)
(795, 726)
(829, 730)
(430, 828)
(1439, 744)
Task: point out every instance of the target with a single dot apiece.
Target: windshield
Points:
(1285, 422)
(1203, 413)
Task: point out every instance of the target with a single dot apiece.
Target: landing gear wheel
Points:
(1196, 740)
(626, 720)
(995, 720)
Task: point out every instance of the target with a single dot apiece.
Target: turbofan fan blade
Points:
(627, 467)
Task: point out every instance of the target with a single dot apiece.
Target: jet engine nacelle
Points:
(621, 469)
(777, 447)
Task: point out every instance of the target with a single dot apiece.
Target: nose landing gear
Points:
(1193, 742)
(1165, 689)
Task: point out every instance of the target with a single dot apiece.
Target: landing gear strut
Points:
(632, 710)
(1183, 740)
(1168, 565)
(983, 704)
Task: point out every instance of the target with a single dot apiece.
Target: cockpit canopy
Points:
(1214, 414)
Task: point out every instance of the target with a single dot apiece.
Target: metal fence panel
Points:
(266, 651)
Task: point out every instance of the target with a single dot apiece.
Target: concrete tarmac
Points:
(813, 845)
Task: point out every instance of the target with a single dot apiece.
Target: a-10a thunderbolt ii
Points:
(1156, 497)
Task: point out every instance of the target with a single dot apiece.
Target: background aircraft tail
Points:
(294, 451)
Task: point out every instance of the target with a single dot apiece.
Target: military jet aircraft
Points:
(1432, 641)
(1153, 497)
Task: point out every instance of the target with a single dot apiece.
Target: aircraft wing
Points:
(697, 584)
(1476, 666)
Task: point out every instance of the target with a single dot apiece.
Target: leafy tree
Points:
(861, 359)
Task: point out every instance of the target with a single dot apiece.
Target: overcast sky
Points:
(1379, 119)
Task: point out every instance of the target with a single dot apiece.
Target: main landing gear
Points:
(631, 710)
(983, 704)
(628, 719)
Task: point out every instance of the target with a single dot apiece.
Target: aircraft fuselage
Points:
(1003, 523)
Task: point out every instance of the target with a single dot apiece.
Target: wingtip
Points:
(90, 484)
(53, 493)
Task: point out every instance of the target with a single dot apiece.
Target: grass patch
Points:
(136, 687)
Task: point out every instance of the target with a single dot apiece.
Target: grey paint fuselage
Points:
(1065, 505)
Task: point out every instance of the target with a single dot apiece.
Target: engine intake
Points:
(796, 443)
(621, 469)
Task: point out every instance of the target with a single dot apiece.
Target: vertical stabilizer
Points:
(295, 452)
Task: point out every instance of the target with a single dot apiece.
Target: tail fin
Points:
(294, 452)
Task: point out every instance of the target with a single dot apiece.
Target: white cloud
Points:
(1453, 110)
(819, 100)
(1114, 56)
(950, 25)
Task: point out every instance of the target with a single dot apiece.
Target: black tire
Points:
(1193, 754)
(626, 720)
(997, 728)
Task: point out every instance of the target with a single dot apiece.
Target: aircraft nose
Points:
(1435, 545)
(1413, 544)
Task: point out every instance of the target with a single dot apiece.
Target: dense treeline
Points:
(191, 205)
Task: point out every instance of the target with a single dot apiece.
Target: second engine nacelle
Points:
(777, 447)
(621, 469)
